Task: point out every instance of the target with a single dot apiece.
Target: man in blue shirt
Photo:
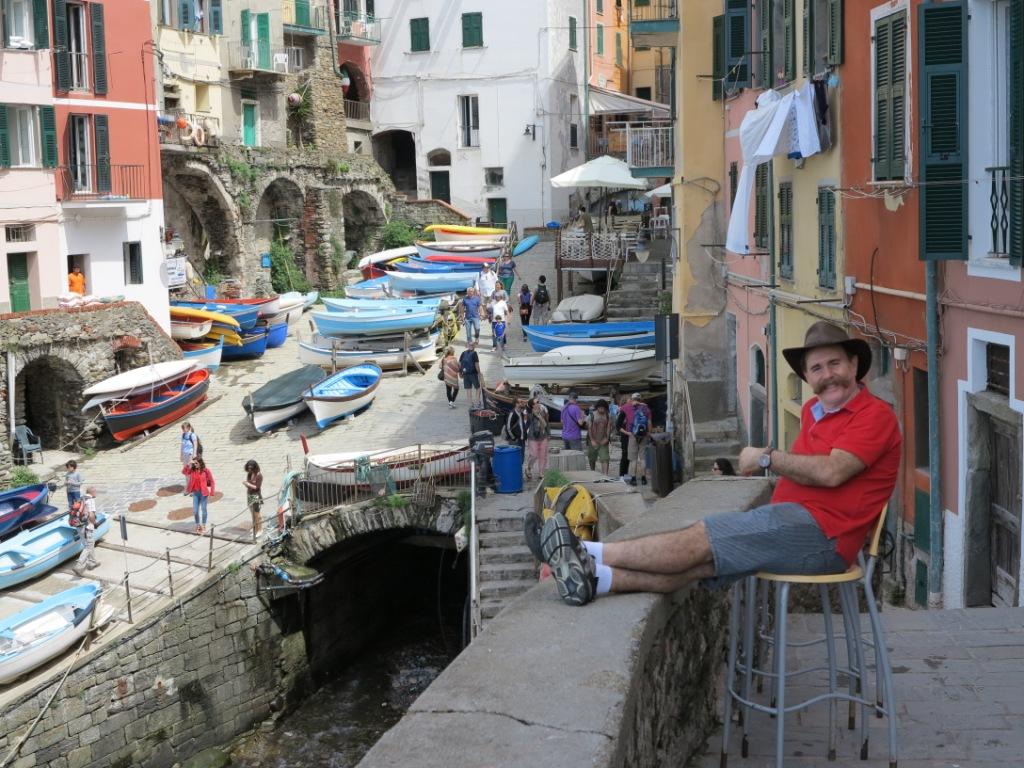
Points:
(572, 420)
(471, 315)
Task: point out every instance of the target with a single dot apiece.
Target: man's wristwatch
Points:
(764, 461)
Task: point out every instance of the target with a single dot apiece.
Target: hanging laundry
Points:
(821, 114)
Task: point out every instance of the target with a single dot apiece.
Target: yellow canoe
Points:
(231, 339)
(188, 313)
(462, 229)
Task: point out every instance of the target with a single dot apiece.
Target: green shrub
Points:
(284, 273)
(241, 170)
(22, 476)
(398, 234)
(555, 479)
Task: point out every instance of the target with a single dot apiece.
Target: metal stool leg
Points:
(730, 672)
(763, 615)
(830, 649)
(884, 669)
(849, 594)
(750, 608)
(781, 599)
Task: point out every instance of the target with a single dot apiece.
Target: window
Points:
(202, 97)
(440, 157)
(737, 44)
(600, 6)
(19, 23)
(826, 238)
(733, 180)
(997, 366)
(23, 135)
(762, 204)
(132, 263)
(469, 121)
(823, 35)
(776, 24)
(419, 31)
(643, 93)
(600, 40)
(20, 233)
(618, 49)
(472, 30)
(786, 229)
(494, 177)
(890, 96)
(574, 136)
(80, 153)
(572, 33)
(76, 46)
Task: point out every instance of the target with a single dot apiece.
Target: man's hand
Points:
(749, 458)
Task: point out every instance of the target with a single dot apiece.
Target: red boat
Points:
(457, 258)
(158, 407)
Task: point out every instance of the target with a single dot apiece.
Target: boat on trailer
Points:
(637, 335)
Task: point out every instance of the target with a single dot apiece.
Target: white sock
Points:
(596, 550)
(604, 579)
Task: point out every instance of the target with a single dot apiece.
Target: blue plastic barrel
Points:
(508, 468)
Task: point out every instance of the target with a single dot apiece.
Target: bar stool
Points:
(743, 617)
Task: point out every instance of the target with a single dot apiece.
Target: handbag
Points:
(440, 373)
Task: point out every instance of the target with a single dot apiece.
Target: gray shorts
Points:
(779, 538)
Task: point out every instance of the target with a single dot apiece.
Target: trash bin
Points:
(484, 419)
(659, 462)
(508, 468)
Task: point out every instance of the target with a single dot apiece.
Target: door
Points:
(17, 282)
(263, 40)
(1004, 512)
(497, 210)
(249, 124)
(440, 186)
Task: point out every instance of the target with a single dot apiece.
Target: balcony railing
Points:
(305, 17)
(79, 70)
(357, 110)
(358, 28)
(102, 182)
(259, 56)
(655, 10)
(197, 131)
(999, 197)
(640, 145)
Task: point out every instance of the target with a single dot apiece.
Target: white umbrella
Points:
(665, 190)
(600, 173)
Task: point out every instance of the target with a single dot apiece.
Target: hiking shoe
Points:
(571, 565)
(532, 526)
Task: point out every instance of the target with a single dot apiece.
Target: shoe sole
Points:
(532, 526)
(559, 547)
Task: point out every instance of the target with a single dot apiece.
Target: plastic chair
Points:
(28, 443)
(884, 705)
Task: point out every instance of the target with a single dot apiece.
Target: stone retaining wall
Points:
(425, 212)
(627, 681)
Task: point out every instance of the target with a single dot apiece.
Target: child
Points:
(525, 302)
(73, 483)
(499, 333)
(87, 527)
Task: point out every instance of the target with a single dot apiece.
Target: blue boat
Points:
(376, 305)
(344, 393)
(206, 354)
(245, 314)
(45, 630)
(36, 551)
(254, 344)
(383, 323)
(415, 264)
(431, 282)
(277, 335)
(636, 335)
(20, 505)
(525, 244)
(374, 288)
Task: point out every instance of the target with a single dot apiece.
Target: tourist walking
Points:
(472, 378)
(525, 306)
(623, 433)
(638, 430)
(541, 303)
(72, 482)
(486, 281)
(498, 305)
(507, 272)
(254, 493)
(498, 330)
(537, 433)
(450, 375)
(470, 314)
(572, 420)
(599, 430)
(517, 423)
(199, 483)
(87, 529)
(190, 445)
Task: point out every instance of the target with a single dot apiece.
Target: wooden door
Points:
(440, 186)
(17, 282)
(249, 125)
(1004, 512)
(497, 210)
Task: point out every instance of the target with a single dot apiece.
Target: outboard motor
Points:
(481, 445)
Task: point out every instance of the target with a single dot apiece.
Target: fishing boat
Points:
(371, 265)
(21, 505)
(266, 305)
(157, 407)
(374, 305)
(578, 309)
(457, 232)
(637, 335)
(277, 335)
(205, 354)
(181, 313)
(135, 380)
(338, 353)
(309, 299)
(414, 264)
(580, 364)
(243, 314)
(45, 630)
(489, 251)
(185, 330)
(374, 288)
(430, 283)
(343, 394)
(281, 399)
(254, 344)
(287, 304)
(383, 322)
(38, 550)
(406, 465)
(525, 244)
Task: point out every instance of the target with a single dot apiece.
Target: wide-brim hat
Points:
(825, 334)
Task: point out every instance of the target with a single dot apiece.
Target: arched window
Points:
(439, 157)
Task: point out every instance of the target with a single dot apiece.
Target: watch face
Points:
(765, 460)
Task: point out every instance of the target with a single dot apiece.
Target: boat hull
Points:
(21, 505)
(407, 465)
(266, 420)
(387, 359)
(328, 407)
(277, 335)
(185, 330)
(204, 355)
(279, 400)
(575, 365)
(430, 283)
(371, 324)
(37, 551)
(470, 252)
(544, 338)
(253, 345)
(373, 288)
(141, 413)
(376, 305)
(422, 266)
(243, 314)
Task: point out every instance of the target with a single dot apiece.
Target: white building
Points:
(479, 104)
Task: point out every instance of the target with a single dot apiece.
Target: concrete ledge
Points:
(626, 681)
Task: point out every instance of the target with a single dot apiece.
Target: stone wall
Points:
(424, 212)
(627, 681)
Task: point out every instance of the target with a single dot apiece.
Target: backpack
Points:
(466, 364)
(640, 424)
(76, 517)
(536, 430)
(541, 296)
(199, 444)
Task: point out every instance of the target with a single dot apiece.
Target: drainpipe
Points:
(586, 79)
(331, 23)
(773, 327)
(935, 565)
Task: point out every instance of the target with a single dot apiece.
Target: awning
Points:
(605, 102)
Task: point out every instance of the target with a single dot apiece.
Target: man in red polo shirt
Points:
(833, 484)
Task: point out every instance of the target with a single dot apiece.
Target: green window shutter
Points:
(761, 206)
(808, 46)
(41, 23)
(600, 40)
(419, 32)
(5, 139)
(764, 20)
(789, 44)
(718, 50)
(737, 32)
(472, 30)
(890, 96)
(48, 129)
(943, 129)
(302, 13)
(99, 50)
(1016, 182)
(826, 239)
(835, 33)
(246, 29)
(600, 6)
(572, 33)
(102, 130)
(216, 17)
(185, 20)
(263, 40)
(618, 49)
(786, 229)
(61, 56)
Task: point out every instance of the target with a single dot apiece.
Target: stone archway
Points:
(395, 152)
(47, 397)
(363, 218)
(278, 225)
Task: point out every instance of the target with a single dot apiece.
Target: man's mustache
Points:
(827, 383)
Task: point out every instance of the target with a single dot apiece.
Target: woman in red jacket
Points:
(199, 482)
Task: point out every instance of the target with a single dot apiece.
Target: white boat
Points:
(342, 394)
(289, 304)
(185, 330)
(35, 551)
(407, 464)
(331, 352)
(383, 257)
(281, 399)
(578, 364)
(578, 309)
(430, 282)
(135, 380)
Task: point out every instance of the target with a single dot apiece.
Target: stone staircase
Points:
(716, 439)
(507, 568)
(636, 295)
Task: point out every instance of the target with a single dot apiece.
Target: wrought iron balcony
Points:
(171, 130)
(999, 197)
(259, 56)
(358, 28)
(357, 110)
(641, 145)
(102, 182)
(304, 18)
(655, 23)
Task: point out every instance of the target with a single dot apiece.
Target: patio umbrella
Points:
(665, 190)
(603, 172)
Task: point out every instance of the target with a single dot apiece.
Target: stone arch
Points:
(395, 152)
(279, 213)
(439, 156)
(47, 397)
(363, 217)
(359, 88)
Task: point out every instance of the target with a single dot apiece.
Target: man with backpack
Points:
(86, 525)
(469, 367)
(637, 426)
(541, 303)
(516, 424)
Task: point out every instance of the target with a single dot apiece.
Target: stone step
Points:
(634, 299)
(501, 539)
(504, 590)
(514, 554)
(716, 448)
(625, 313)
(500, 524)
(703, 464)
(723, 429)
(647, 268)
(638, 281)
(501, 572)
(491, 608)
